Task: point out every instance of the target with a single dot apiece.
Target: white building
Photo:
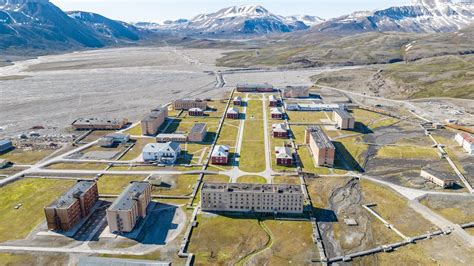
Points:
(166, 153)
(315, 106)
(254, 198)
(466, 141)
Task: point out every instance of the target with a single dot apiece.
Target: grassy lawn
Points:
(18, 156)
(308, 163)
(136, 130)
(136, 150)
(34, 194)
(456, 214)
(252, 157)
(216, 178)
(294, 180)
(219, 240)
(395, 152)
(182, 186)
(351, 152)
(276, 142)
(229, 131)
(80, 166)
(252, 179)
(384, 122)
(115, 184)
(395, 209)
(298, 134)
(94, 135)
(307, 117)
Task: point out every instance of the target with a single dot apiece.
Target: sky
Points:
(160, 10)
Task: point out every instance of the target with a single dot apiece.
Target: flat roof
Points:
(5, 142)
(343, 114)
(439, 174)
(126, 199)
(321, 139)
(171, 135)
(153, 114)
(254, 85)
(70, 196)
(98, 261)
(252, 188)
(199, 127)
(98, 120)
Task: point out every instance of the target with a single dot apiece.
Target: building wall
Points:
(280, 134)
(188, 104)
(343, 123)
(196, 113)
(219, 160)
(434, 179)
(321, 156)
(287, 162)
(252, 202)
(150, 127)
(233, 116)
(197, 136)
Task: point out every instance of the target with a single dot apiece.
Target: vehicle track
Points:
(256, 252)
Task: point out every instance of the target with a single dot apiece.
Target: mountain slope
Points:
(422, 16)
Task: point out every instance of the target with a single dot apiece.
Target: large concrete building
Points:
(343, 119)
(295, 92)
(165, 153)
(99, 124)
(257, 198)
(322, 149)
(198, 133)
(253, 87)
(439, 178)
(187, 104)
(129, 207)
(466, 141)
(77, 203)
(153, 121)
(5, 145)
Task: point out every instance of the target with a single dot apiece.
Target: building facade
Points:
(165, 153)
(273, 101)
(253, 198)
(312, 106)
(343, 119)
(129, 207)
(277, 113)
(440, 179)
(5, 145)
(196, 112)
(295, 92)
(321, 147)
(75, 204)
(280, 131)
(220, 155)
(284, 156)
(176, 137)
(186, 104)
(233, 113)
(153, 121)
(466, 141)
(238, 100)
(198, 133)
(99, 124)
(253, 87)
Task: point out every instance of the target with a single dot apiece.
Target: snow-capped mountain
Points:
(39, 24)
(423, 16)
(247, 19)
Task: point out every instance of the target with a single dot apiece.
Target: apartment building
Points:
(196, 112)
(5, 145)
(295, 92)
(153, 121)
(74, 205)
(284, 156)
(220, 155)
(441, 179)
(321, 147)
(186, 104)
(254, 198)
(253, 87)
(280, 130)
(99, 124)
(343, 119)
(129, 207)
(165, 153)
(466, 141)
(198, 132)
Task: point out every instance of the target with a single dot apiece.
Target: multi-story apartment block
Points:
(75, 204)
(321, 147)
(129, 207)
(198, 133)
(186, 104)
(466, 141)
(343, 119)
(153, 121)
(258, 198)
(99, 124)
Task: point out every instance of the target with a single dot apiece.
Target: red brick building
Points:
(238, 101)
(277, 113)
(280, 131)
(196, 112)
(220, 155)
(233, 113)
(273, 101)
(284, 156)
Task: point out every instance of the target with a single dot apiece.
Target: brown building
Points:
(320, 145)
(238, 100)
(173, 137)
(220, 155)
(284, 156)
(72, 206)
(99, 124)
(248, 87)
(277, 113)
(129, 207)
(280, 131)
(439, 178)
(196, 112)
(233, 113)
(153, 121)
(198, 133)
(343, 119)
(186, 104)
(273, 101)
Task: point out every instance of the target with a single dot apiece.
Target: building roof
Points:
(198, 128)
(170, 135)
(233, 110)
(157, 112)
(283, 153)
(439, 174)
(5, 142)
(343, 114)
(467, 137)
(195, 110)
(296, 88)
(276, 111)
(125, 200)
(162, 147)
(70, 196)
(237, 98)
(220, 151)
(252, 188)
(254, 85)
(98, 121)
(279, 127)
(321, 139)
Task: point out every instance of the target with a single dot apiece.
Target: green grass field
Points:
(34, 194)
(395, 152)
(136, 130)
(252, 157)
(136, 150)
(294, 180)
(115, 184)
(80, 166)
(18, 156)
(307, 117)
(183, 186)
(252, 179)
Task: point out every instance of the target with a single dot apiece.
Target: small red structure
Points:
(196, 112)
(233, 113)
(238, 101)
(283, 156)
(280, 131)
(273, 101)
(277, 113)
(220, 155)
